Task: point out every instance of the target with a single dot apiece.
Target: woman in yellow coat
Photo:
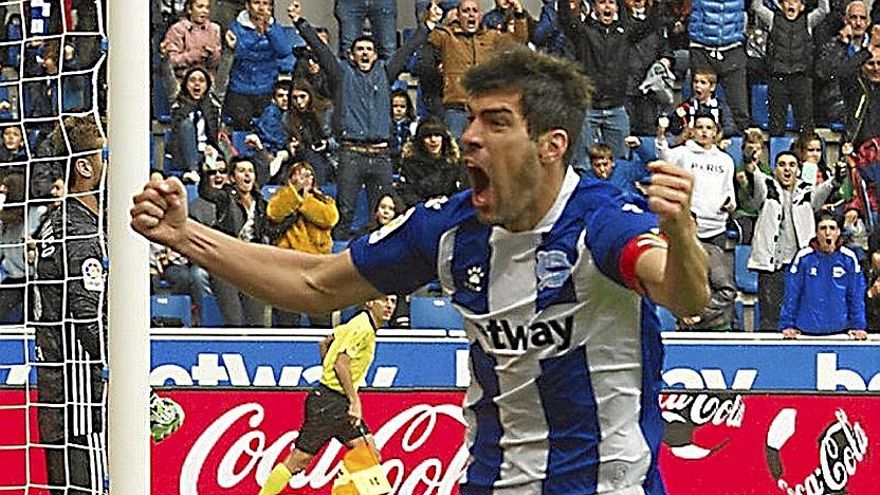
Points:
(304, 217)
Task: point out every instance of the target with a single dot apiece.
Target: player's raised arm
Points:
(676, 277)
(284, 278)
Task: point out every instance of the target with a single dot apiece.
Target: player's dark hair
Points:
(554, 94)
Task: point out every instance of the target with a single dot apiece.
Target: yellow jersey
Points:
(357, 338)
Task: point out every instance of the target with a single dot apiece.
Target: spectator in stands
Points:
(825, 287)
(704, 81)
(362, 116)
(203, 211)
(814, 169)
(169, 272)
(785, 225)
(463, 43)
(193, 41)
(548, 37)
(872, 277)
(13, 149)
(854, 232)
(833, 57)
(12, 250)
(860, 85)
(714, 198)
(604, 43)
(308, 68)
(303, 218)
(383, 24)
(625, 175)
(403, 118)
(257, 42)
(718, 313)
(195, 122)
(309, 134)
(41, 93)
(790, 61)
(241, 212)
(754, 153)
(716, 29)
(502, 16)
(643, 108)
(269, 125)
(430, 165)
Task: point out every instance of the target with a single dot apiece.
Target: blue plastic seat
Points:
(172, 307)
(667, 319)
(735, 149)
(434, 312)
(211, 315)
(745, 279)
(269, 191)
(777, 145)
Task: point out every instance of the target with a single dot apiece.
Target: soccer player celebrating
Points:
(556, 277)
(333, 408)
(69, 314)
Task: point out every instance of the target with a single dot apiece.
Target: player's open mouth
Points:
(480, 186)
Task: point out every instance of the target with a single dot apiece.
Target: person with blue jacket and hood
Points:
(824, 287)
(258, 42)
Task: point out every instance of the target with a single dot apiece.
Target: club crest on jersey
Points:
(93, 274)
(552, 269)
(390, 227)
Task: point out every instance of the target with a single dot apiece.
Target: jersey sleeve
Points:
(618, 230)
(402, 256)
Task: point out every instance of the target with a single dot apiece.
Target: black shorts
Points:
(326, 418)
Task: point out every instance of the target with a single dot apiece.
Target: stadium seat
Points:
(269, 191)
(171, 309)
(778, 144)
(361, 212)
(434, 312)
(760, 106)
(746, 280)
(192, 191)
(238, 143)
(161, 108)
(211, 315)
(328, 189)
(339, 246)
(735, 149)
(667, 319)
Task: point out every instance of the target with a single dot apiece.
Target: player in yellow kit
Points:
(333, 408)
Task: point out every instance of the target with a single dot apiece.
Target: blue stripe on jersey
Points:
(556, 256)
(486, 453)
(613, 218)
(650, 420)
(570, 409)
(470, 266)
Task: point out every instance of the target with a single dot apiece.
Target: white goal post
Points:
(129, 313)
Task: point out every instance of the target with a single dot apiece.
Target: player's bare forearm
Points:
(684, 287)
(342, 367)
(284, 278)
(676, 277)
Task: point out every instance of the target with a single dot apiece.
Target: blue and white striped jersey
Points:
(564, 358)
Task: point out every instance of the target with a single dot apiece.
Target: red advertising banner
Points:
(719, 443)
(22, 464)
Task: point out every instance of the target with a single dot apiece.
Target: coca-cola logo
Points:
(684, 413)
(842, 446)
(252, 456)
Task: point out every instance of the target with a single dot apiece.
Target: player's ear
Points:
(552, 146)
(84, 168)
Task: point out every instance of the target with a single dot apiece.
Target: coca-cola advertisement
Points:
(230, 442)
(726, 443)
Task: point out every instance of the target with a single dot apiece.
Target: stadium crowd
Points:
(774, 107)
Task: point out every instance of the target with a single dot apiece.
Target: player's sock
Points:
(278, 479)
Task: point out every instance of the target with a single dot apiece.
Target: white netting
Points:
(52, 54)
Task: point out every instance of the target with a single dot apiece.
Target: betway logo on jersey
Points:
(516, 337)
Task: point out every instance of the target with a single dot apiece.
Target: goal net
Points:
(53, 257)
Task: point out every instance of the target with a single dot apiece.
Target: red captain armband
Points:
(631, 254)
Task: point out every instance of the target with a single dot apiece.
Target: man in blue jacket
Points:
(825, 287)
(362, 116)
